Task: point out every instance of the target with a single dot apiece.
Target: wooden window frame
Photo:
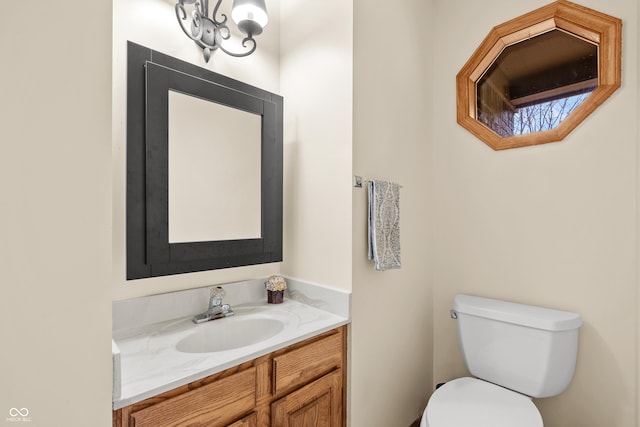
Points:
(603, 30)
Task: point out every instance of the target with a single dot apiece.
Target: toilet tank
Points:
(525, 348)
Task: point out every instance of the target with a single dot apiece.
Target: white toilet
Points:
(515, 352)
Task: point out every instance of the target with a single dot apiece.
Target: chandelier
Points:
(209, 32)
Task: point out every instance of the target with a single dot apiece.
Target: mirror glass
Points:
(533, 85)
(214, 171)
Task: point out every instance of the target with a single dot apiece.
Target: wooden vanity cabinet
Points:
(302, 385)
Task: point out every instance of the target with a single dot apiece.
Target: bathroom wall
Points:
(553, 225)
(637, 406)
(349, 109)
(391, 341)
(316, 81)
(153, 23)
(55, 221)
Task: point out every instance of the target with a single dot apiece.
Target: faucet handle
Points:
(215, 295)
(217, 290)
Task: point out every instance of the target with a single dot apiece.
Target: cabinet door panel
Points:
(248, 421)
(213, 405)
(318, 404)
(315, 413)
(304, 364)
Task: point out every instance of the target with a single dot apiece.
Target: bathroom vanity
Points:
(267, 365)
(300, 385)
(204, 192)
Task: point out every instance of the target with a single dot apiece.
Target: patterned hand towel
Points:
(384, 224)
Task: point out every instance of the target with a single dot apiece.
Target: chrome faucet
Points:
(217, 309)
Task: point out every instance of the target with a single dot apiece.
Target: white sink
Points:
(230, 333)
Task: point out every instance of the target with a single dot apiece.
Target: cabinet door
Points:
(318, 404)
(248, 421)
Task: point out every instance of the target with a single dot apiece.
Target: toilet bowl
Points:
(467, 402)
(515, 352)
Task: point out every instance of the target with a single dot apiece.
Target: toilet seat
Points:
(470, 402)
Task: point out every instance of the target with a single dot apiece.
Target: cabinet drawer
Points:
(213, 405)
(304, 364)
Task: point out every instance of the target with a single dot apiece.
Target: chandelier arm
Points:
(180, 11)
(244, 41)
(225, 32)
(197, 23)
(181, 14)
(215, 13)
(204, 7)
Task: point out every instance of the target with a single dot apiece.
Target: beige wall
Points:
(553, 225)
(153, 23)
(391, 345)
(55, 221)
(637, 314)
(316, 82)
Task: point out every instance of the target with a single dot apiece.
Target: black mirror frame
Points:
(150, 76)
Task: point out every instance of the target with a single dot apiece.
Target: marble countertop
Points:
(150, 363)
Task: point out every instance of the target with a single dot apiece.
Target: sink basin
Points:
(230, 333)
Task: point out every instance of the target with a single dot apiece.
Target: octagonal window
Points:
(535, 78)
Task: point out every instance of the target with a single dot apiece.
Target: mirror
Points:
(214, 154)
(536, 77)
(204, 169)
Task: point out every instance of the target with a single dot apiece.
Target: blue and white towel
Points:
(384, 224)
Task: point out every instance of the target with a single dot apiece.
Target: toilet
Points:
(515, 352)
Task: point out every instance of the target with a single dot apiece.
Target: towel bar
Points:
(358, 181)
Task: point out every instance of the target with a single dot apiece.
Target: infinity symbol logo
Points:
(14, 412)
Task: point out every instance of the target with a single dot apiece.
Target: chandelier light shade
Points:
(209, 32)
(250, 16)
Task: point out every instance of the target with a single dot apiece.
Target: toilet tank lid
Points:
(519, 314)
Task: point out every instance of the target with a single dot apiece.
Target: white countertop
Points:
(150, 363)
